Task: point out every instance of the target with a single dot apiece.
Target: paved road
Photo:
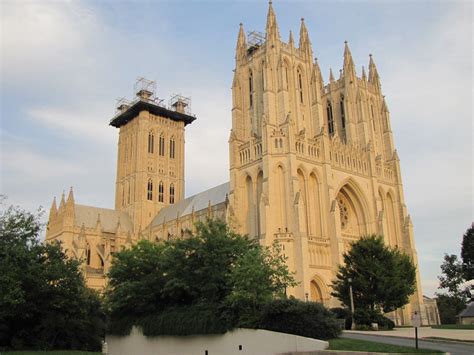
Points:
(453, 348)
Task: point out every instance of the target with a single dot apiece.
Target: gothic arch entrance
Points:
(318, 291)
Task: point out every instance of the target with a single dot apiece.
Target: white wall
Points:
(253, 342)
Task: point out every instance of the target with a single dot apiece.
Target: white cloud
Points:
(73, 123)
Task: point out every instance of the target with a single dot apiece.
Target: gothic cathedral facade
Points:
(312, 167)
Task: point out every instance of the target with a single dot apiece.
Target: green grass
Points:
(454, 326)
(56, 352)
(362, 345)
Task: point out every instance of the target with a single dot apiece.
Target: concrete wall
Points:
(238, 342)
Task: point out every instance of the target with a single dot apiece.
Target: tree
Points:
(452, 278)
(44, 303)
(382, 278)
(209, 270)
(467, 254)
(449, 307)
(455, 299)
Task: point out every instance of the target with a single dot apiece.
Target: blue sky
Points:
(63, 64)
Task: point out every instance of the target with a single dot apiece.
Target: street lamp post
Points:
(352, 303)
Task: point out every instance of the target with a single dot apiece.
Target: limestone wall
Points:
(239, 342)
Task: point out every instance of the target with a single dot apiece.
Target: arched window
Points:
(373, 117)
(330, 119)
(172, 148)
(172, 193)
(286, 76)
(161, 191)
(343, 113)
(162, 146)
(150, 190)
(300, 86)
(251, 89)
(151, 142)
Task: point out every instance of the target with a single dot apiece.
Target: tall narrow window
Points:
(251, 89)
(172, 148)
(373, 117)
(161, 191)
(172, 193)
(343, 113)
(300, 86)
(286, 76)
(150, 190)
(151, 142)
(330, 119)
(88, 254)
(162, 146)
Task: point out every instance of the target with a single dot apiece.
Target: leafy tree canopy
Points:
(214, 266)
(467, 254)
(452, 276)
(44, 303)
(382, 278)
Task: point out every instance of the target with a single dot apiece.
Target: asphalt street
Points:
(449, 347)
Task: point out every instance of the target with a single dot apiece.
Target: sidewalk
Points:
(423, 332)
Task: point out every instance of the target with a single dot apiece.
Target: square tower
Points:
(150, 160)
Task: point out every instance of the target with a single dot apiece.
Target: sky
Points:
(63, 64)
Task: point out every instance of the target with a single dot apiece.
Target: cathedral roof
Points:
(198, 202)
(89, 216)
(141, 105)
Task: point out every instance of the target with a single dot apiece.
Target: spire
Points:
(364, 77)
(241, 39)
(291, 41)
(70, 197)
(62, 203)
(53, 209)
(373, 74)
(241, 48)
(331, 76)
(305, 43)
(272, 32)
(341, 73)
(349, 68)
(319, 76)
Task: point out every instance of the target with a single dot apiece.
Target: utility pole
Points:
(352, 303)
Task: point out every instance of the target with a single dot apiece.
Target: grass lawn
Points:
(362, 345)
(56, 352)
(454, 326)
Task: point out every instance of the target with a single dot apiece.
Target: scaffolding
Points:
(145, 89)
(180, 103)
(255, 39)
(122, 105)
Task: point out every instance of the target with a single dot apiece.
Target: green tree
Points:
(452, 276)
(210, 269)
(382, 278)
(467, 254)
(44, 303)
(449, 307)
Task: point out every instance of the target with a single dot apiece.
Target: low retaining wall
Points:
(238, 342)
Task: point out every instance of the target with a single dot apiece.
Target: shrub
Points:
(343, 313)
(186, 320)
(364, 318)
(308, 319)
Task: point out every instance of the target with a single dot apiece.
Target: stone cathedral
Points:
(312, 166)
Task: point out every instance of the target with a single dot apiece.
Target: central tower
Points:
(150, 162)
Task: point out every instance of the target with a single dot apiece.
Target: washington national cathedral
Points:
(313, 166)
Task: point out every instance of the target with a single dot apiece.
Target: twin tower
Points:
(312, 167)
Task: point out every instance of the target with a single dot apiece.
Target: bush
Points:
(308, 319)
(364, 318)
(343, 313)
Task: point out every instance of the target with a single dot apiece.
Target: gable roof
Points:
(200, 201)
(468, 311)
(88, 216)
